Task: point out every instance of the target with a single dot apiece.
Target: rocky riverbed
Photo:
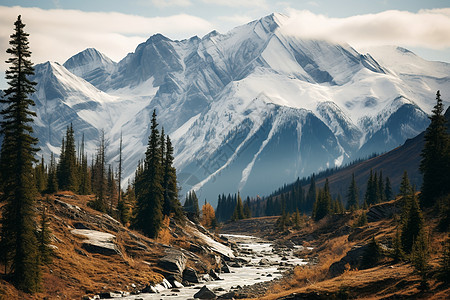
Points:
(256, 262)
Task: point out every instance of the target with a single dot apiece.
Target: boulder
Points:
(97, 241)
(383, 211)
(224, 267)
(229, 295)
(174, 262)
(353, 258)
(190, 275)
(205, 293)
(214, 275)
(264, 262)
(150, 289)
(110, 295)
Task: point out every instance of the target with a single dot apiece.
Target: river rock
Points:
(229, 295)
(265, 262)
(110, 295)
(174, 262)
(205, 293)
(214, 275)
(190, 275)
(224, 267)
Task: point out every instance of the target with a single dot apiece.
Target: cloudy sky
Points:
(61, 28)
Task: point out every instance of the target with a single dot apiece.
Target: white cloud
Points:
(58, 34)
(427, 28)
(239, 3)
(171, 3)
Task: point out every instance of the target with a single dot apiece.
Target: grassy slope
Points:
(76, 272)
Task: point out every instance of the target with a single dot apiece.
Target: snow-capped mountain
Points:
(247, 110)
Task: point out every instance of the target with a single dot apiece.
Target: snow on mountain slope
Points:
(90, 65)
(250, 109)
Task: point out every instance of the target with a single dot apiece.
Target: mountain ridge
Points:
(238, 101)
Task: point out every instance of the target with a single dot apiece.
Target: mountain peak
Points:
(87, 63)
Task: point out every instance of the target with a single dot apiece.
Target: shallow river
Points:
(253, 250)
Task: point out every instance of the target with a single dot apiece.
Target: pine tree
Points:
(312, 194)
(191, 206)
(388, 190)
(372, 254)
(444, 270)
(121, 207)
(413, 225)
(171, 204)
(435, 157)
(40, 176)
(362, 219)
(371, 192)
(405, 186)
(380, 189)
(419, 259)
(352, 195)
(238, 213)
(149, 192)
(99, 179)
(52, 182)
(398, 254)
(67, 168)
(247, 209)
(322, 207)
(84, 172)
(45, 252)
(111, 191)
(297, 220)
(405, 193)
(18, 240)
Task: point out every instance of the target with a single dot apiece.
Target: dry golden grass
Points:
(164, 234)
(76, 272)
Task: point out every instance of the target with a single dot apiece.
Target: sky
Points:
(61, 28)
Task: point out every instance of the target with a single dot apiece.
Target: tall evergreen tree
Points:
(238, 213)
(111, 190)
(171, 204)
(312, 194)
(18, 239)
(380, 189)
(247, 209)
(322, 206)
(405, 186)
(388, 190)
(435, 157)
(371, 192)
(84, 172)
(44, 240)
(413, 225)
(99, 179)
(149, 191)
(352, 195)
(67, 168)
(52, 182)
(191, 206)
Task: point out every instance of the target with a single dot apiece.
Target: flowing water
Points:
(252, 249)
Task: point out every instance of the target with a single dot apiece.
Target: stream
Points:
(252, 250)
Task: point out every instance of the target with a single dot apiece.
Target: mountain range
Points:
(247, 110)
